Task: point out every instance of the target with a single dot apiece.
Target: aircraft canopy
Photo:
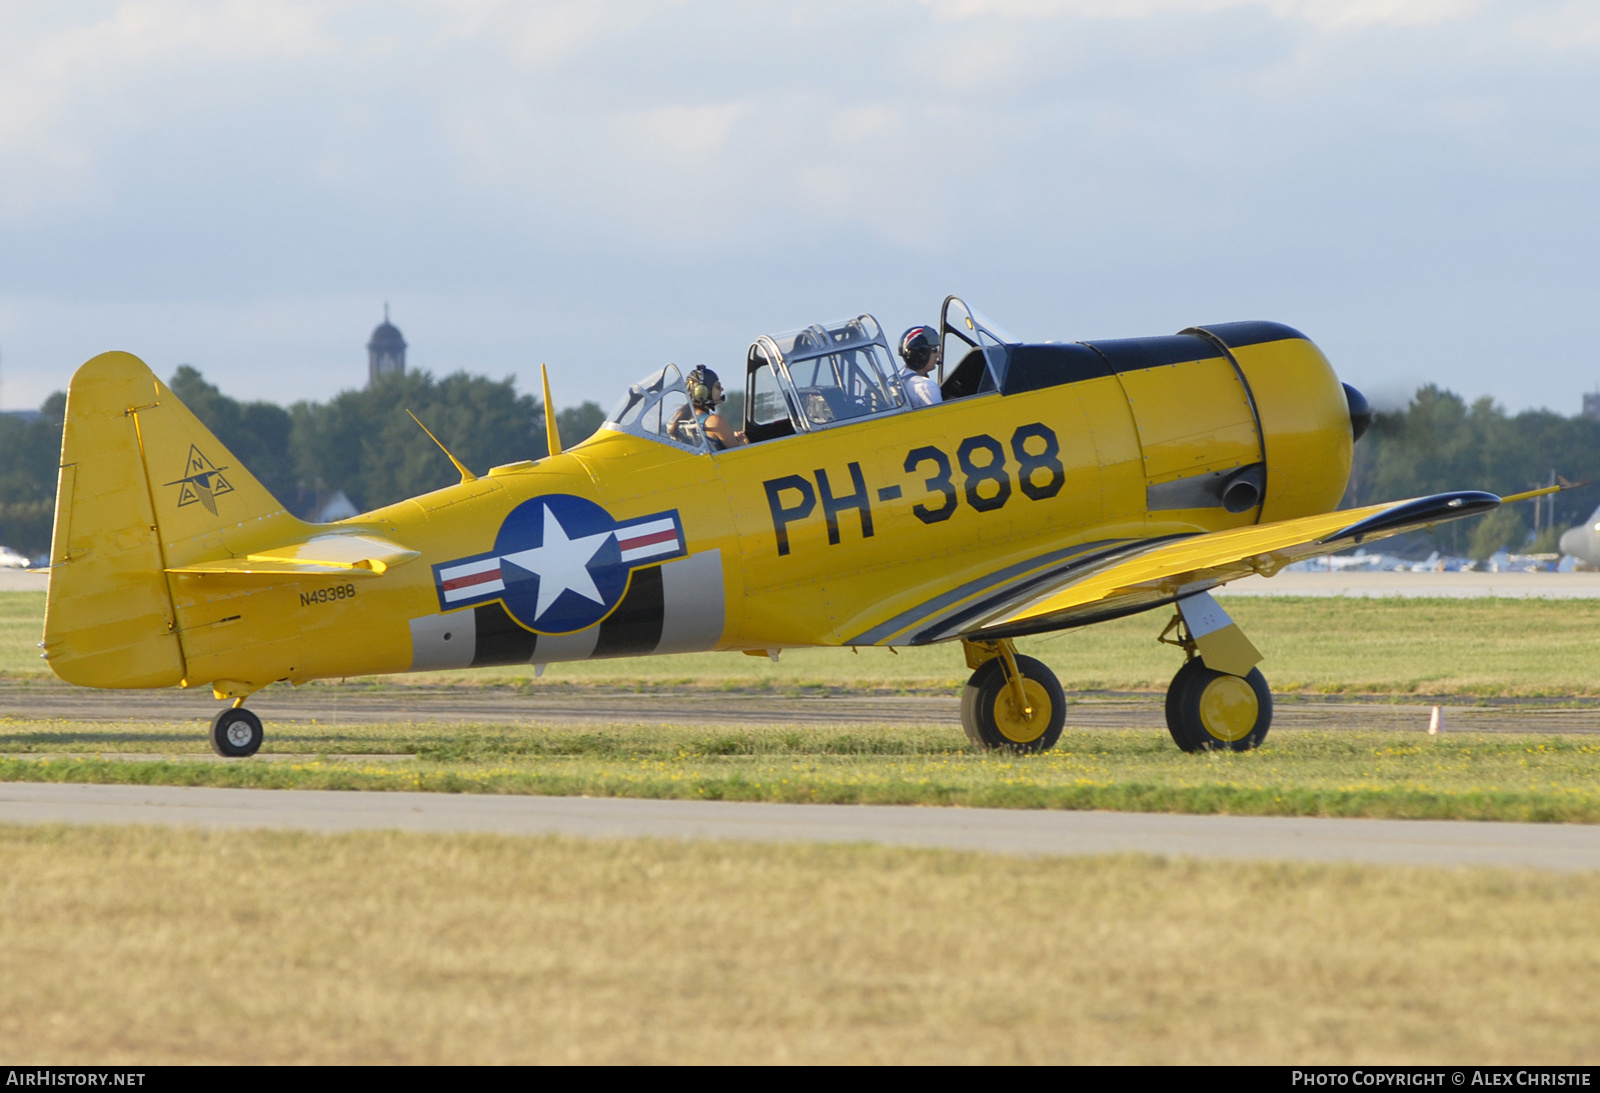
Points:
(658, 408)
(820, 376)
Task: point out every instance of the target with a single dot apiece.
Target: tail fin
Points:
(144, 487)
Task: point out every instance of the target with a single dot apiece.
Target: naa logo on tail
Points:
(202, 482)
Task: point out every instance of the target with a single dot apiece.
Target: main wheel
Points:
(989, 712)
(1208, 709)
(236, 733)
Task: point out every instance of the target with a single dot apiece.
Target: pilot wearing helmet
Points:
(705, 393)
(919, 348)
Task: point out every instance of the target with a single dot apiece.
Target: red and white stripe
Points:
(644, 541)
(473, 579)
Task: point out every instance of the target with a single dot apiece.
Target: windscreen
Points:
(658, 407)
(964, 332)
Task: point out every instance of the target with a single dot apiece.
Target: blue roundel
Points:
(560, 562)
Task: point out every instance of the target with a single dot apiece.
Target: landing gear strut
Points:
(1208, 709)
(1011, 702)
(236, 733)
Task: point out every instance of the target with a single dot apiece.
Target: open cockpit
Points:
(819, 377)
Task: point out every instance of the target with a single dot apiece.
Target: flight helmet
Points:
(700, 382)
(917, 346)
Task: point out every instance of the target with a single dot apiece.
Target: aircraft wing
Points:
(321, 555)
(1138, 576)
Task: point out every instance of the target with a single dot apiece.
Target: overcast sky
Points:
(607, 186)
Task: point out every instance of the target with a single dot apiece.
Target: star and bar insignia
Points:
(560, 563)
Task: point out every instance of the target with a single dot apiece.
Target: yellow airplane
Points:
(1056, 485)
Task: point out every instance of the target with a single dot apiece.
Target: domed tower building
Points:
(386, 352)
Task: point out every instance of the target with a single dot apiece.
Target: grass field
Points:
(1472, 646)
(148, 946)
(1380, 646)
(21, 625)
(141, 946)
(1303, 773)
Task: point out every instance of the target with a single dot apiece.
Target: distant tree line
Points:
(363, 443)
(360, 442)
(30, 456)
(1439, 442)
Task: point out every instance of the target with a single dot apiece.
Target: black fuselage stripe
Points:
(1074, 620)
(501, 639)
(1258, 332)
(954, 624)
(1038, 367)
(635, 626)
(929, 608)
(1134, 354)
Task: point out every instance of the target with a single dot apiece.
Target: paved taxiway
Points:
(1465, 586)
(1549, 846)
(330, 705)
(1384, 842)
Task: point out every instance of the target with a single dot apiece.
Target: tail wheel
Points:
(236, 733)
(1207, 709)
(992, 719)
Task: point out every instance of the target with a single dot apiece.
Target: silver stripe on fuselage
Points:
(693, 618)
(555, 648)
(691, 593)
(440, 642)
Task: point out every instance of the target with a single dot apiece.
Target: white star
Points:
(561, 563)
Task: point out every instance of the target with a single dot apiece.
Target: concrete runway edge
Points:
(1378, 842)
(332, 706)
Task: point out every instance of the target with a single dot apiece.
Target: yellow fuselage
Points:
(872, 532)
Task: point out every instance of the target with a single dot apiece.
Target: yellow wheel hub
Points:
(1229, 708)
(1011, 722)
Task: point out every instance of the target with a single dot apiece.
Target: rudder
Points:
(144, 486)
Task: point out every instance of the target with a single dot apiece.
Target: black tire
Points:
(988, 713)
(236, 733)
(1175, 691)
(1205, 711)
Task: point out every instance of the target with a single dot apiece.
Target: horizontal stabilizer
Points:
(325, 555)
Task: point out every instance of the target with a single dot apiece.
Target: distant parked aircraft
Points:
(1429, 565)
(1583, 541)
(10, 559)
